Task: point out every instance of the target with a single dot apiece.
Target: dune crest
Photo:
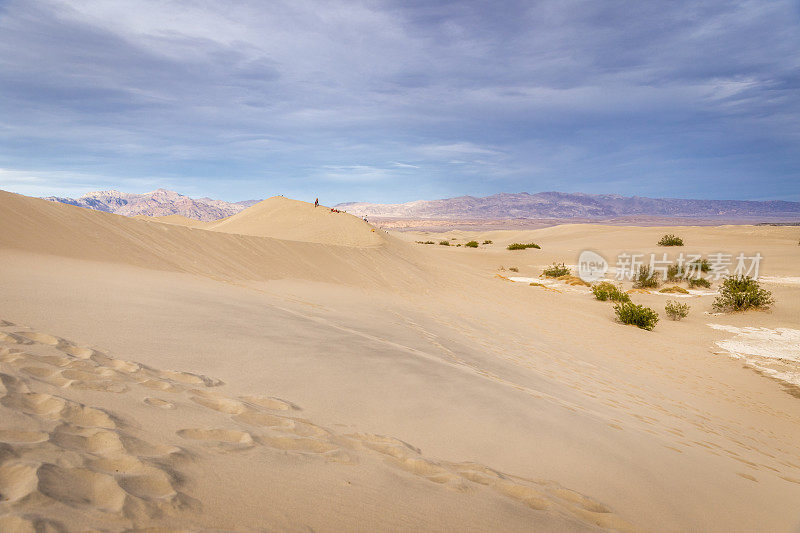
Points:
(293, 220)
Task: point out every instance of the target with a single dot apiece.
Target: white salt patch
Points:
(781, 280)
(520, 279)
(780, 343)
(775, 352)
(697, 292)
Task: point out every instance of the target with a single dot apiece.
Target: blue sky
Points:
(392, 102)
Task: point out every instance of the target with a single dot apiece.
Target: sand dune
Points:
(57, 229)
(283, 218)
(178, 220)
(153, 375)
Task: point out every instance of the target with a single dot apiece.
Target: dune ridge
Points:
(293, 220)
(51, 228)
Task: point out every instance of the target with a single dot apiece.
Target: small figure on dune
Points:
(316, 202)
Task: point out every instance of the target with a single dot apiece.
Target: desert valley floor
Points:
(297, 369)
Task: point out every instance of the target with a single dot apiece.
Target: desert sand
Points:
(290, 368)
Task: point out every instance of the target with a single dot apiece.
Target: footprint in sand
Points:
(14, 436)
(142, 448)
(223, 405)
(13, 338)
(150, 484)
(227, 439)
(158, 402)
(187, 378)
(35, 403)
(76, 351)
(91, 440)
(47, 375)
(430, 470)
(81, 487)
(28, 524)
(385, 445)
(268, 402)
(161, 385)
(298, 444)
(17, 480)
(41, 338)
(117, 464)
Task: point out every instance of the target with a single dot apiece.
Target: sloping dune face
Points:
(293, 220)
(178, 220)
(42, 227)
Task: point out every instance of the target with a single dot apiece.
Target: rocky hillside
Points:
(158, 203)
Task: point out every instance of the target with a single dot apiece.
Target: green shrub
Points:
(520, 246)
(638, 315)
(675, 274)
(513, 269)
(487, 241)
(670, 240)
(699, 282)
(740, 293)
(472, 244)
(556, 270)
(675, 310)
(605, 290)
(700, 264)
(646, 279)
(444, 243)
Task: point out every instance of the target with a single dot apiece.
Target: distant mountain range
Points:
(558, 205)
(158, 203)
(543, 205)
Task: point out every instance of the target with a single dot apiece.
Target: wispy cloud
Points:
(390, 101)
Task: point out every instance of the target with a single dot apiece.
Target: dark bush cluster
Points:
(675, 310)
(740, 293)
(670, 240)
(605, 290)
(472, 244)
(699, 282)
(637, 315)
(521, 246)
(701, 264)
(646, 278)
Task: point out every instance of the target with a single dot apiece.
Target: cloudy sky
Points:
(391, 102)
